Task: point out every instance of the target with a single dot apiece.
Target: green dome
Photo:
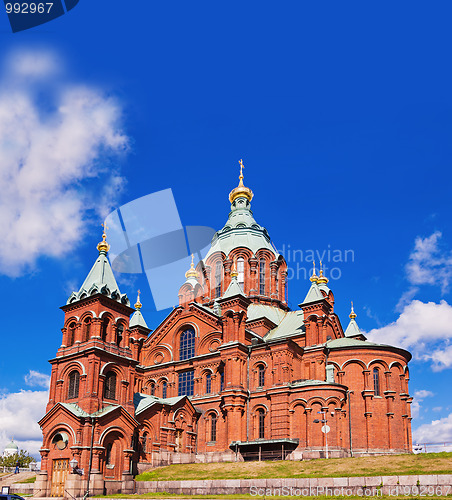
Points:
(11, 446)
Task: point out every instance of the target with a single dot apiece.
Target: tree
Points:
(22, 457)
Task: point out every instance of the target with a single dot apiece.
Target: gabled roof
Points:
(292, 324)
(143, 401)
(314, 294)
(353, 329)
(233, 289)
(100, 280)
(137, 319)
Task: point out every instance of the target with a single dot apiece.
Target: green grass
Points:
(27, 481)
(393, 465)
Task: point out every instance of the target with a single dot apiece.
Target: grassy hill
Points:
(424, 463)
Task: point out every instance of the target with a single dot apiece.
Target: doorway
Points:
(60, 471)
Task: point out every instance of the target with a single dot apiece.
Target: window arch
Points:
(261, 376)
(261, 423)
(86, 329)
(74, 383)
(209, 383)
(218, 278)
(71, 333)
(104, 329)
(376, 374)
(119, 334)
(110, 386)
(213, 427)
(241, 272)
(108, 453)
(262, 277)
(164, 389)
(187, 344)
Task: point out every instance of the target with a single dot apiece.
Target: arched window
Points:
(261, 375)
(110, 386)
(222, 379)
(86, 329)
(241, 272)
(143, 441)
(104, 328)
(208, 383)
(74, 382)
(261, 423)
(71, 336)
(213, 427)
(376, 382)
(262, 277)
(119, 334)
(218, 278)
(277, 284)
(187, 344)
(152, 388)
(164, 389)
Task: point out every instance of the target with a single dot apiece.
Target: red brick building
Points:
(231, 373)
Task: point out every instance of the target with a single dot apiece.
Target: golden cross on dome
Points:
(139, 293)
(104, 225)
(242, 166)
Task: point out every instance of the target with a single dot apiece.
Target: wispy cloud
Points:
(37, 379)
(55, 156)
(418, 397)
(438, 431)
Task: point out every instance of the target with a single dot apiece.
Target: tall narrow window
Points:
(376, 382)
(104, 328)
(241, 272)
(119, 334)
(187, 344)
(144, 441)
(277, 284)
(208, 383)
(71, 336)
(213, 427)
(261, 375)
(86, 329)
(108, 453)
(222, 379)
(110, 386)
(164, 389)
(218, 277)
(74, 382)
(186, 382)
(262, 277)
(261, 423)
(152, 388)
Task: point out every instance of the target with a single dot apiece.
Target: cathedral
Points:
(231, 374)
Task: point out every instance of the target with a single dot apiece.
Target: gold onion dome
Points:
(322, 279)
(314, 278)
(138, 304)
(241, 190)
(191, 273)
(352, 313)
(103, 246)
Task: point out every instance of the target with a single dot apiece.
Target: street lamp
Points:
(73, 463)
(325, 428)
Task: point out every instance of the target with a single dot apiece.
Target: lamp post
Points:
(325, 428)
(73, 463)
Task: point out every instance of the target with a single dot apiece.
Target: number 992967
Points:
(28, 8)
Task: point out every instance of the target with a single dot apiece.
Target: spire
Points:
(322, 279)
(103, 246)
(137, 318)
(234, 272)
(314, 278)
(191, 273)
(138, 304)
(101, 278)
(241, 190)
(352, 313)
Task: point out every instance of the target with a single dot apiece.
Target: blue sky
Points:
(342, 114)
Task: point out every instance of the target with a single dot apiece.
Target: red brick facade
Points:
(231, 373)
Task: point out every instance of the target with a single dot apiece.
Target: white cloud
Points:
(36, 379)
(418, 397)
(19, 414)
(430, 264)
(424, 329)
(437, 431)
(54, 167)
